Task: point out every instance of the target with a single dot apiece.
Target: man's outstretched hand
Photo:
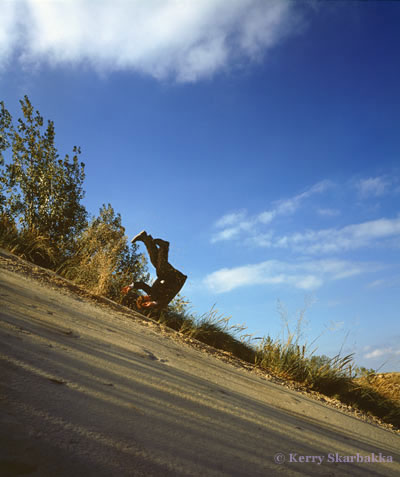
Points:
(126, 289)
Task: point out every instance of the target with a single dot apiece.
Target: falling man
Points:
(169, 280)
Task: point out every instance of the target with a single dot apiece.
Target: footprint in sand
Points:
(148, 354)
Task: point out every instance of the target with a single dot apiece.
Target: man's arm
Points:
(138, 286)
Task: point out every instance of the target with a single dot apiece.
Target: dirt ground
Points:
(89, 388)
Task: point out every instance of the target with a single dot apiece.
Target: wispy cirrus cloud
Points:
(231, 219)
(304, 275)
(234, 223)
(373, 186)
(181, 39)
(334, 240)
(387, 282)
(256, 229)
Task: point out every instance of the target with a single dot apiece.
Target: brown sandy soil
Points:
(89, 388)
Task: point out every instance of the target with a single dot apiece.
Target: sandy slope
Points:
(90, 391)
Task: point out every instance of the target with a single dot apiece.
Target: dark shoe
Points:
(139, 236)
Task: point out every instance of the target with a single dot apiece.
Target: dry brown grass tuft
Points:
(27, 244)
(385, 384)
(95, 261)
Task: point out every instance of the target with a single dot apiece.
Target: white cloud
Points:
(388, 352)
(328, 212)
(377, 283)
(334, 240)
(303, 275)
(8, 30)
(232, 225)
(183, 39)
(388, 282)
(373, 186)
(239, 221)
(231, 219)
(289, 206)
(266, 217)
(226, 234)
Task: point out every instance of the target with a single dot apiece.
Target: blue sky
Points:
(261, 138)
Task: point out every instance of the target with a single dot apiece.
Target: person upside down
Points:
(169, 280)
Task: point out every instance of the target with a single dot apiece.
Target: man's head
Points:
(144, 302)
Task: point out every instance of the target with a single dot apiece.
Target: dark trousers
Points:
(169, 280)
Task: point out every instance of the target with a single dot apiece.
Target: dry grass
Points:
(293, 361)
(216, 330)
(385, 384)
(27, 244)
(96, 259)
(93, 267)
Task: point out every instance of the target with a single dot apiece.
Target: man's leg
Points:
(139, 236)
(162, 259)
(142, 286)
(149, 242)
